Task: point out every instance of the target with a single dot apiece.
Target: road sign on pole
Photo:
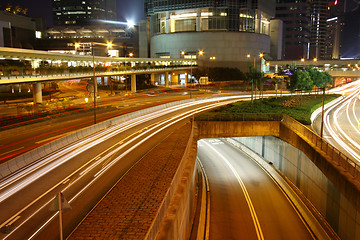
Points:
(59, 204)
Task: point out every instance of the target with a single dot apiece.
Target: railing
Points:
(90, 72)
(335, 155)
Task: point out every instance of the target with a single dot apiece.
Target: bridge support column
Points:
(167, 79)
(174, 79)
(133, 83)
(37, 93)
(152, 79)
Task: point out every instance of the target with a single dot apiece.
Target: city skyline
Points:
(126, 10)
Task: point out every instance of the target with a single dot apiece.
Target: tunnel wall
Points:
(326, 184)
(311, 181)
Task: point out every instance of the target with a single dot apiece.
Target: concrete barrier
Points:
(8, 168)
(174, 217)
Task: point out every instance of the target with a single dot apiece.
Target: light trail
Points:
(98, 158)
(49, 163)
(342, 136)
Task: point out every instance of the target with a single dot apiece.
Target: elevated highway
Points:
(342, 70)
(169, 68)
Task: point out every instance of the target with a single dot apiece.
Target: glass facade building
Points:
(209, 15)
(296, 15)
(242, 25)
(82, 12)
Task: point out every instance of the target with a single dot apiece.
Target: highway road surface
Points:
(25, 135)
(342, 122)
(245, 202)
(84, 171)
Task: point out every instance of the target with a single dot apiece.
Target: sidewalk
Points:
(128, 210)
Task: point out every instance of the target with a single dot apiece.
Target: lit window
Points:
(38, 34)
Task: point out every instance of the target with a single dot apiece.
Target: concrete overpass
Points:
(340, 69)
(169, 68)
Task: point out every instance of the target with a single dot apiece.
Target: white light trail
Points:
(89, 142)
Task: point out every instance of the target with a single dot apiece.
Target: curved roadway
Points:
(245, 202)
(342, 122)
(85, 170)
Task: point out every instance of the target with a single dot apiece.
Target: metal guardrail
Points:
(335, 155)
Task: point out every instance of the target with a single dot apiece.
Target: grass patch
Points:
(297, 107)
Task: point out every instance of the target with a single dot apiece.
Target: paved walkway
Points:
(128, 210)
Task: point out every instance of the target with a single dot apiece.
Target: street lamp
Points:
(130, 56)
(200, 53)
(108, 45)
(261, 55)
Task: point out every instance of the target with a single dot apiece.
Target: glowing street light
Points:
(261, 55)
(302, 59)
(130, 24)
(200, 53)
(108, 44)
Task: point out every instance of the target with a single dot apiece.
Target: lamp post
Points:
(261, 55)
(130, 56)
(200, 53)
(108, 45)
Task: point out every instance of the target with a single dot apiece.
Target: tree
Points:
(320, 79)
(300, 80)
(304, 81)
(255, 77)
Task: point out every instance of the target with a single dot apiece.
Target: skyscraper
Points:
(334, 27)
(229, 30)
(350, 46)
(319, 15)
(82, 12)
(296, 16)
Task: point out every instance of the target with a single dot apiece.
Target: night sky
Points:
(126, 9)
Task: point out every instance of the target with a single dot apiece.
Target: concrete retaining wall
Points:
(334, 190)
(176, 213)
(333, 205)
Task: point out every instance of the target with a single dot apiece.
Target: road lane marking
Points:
(14, 220)
(54, 137)
(181, 117)
(292, 204)
(254, 217)
(14, 150)
(64, 182)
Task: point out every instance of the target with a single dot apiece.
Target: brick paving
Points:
(130, 207)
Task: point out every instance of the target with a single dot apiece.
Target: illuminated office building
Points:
(319, 17)
(296, 15)
(229, 30)
(82, 12)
